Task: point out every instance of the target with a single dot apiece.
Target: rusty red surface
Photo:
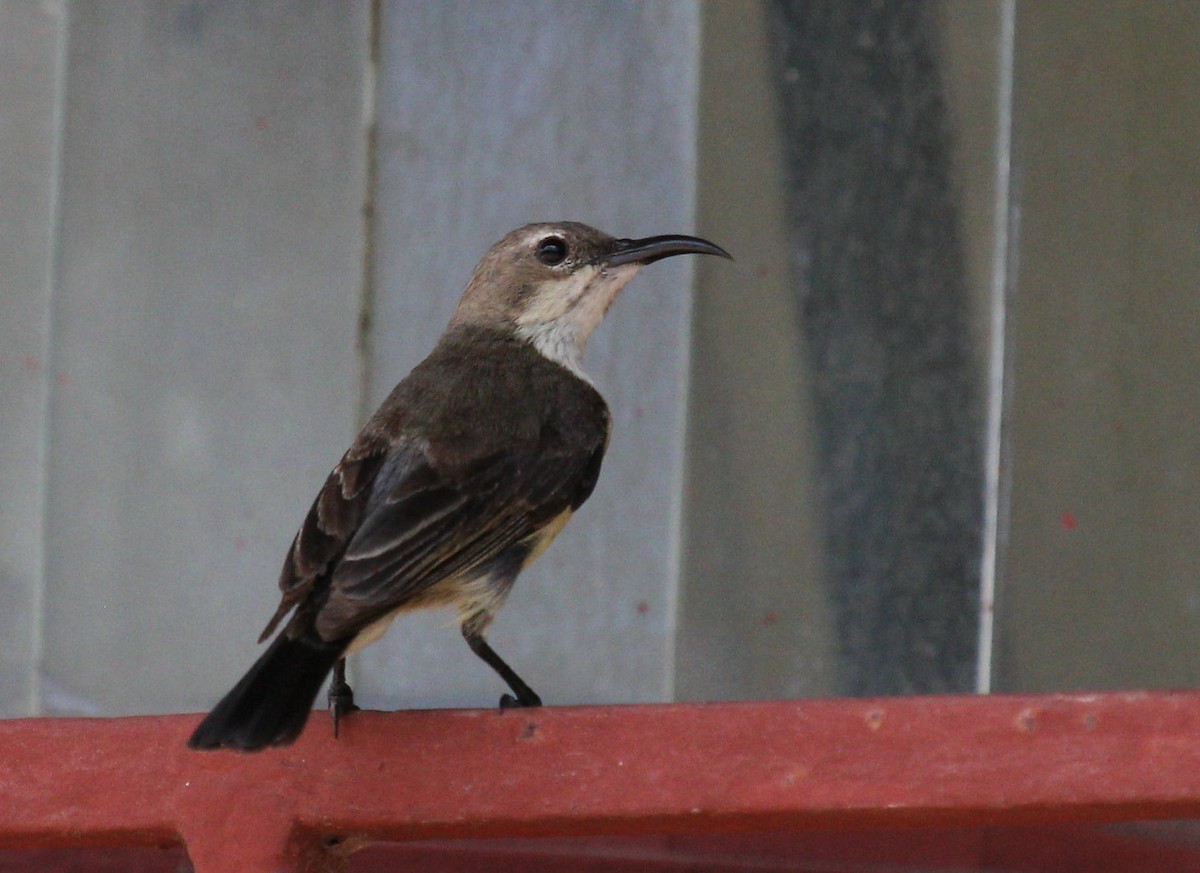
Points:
(921, 762)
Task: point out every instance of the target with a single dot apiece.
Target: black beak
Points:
(655, 248)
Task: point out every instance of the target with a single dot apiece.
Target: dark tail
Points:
(272, 702)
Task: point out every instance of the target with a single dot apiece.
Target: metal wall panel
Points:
(204, 333)
(755, 615)
(30, 51)
(885, 308)
(492, 116)
(1102, 588)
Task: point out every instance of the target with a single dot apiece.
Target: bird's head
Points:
(552, 283)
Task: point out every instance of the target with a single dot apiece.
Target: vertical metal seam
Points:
(364, 342)
(366, 310)
(997, 389)
(37, 641)
(678, 508)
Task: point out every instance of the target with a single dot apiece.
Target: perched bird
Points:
(460, 480)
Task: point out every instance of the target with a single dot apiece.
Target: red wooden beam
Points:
(848, 764)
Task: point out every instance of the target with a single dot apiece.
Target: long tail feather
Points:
(271, 703)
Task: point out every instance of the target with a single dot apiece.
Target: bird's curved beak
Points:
(655, 248)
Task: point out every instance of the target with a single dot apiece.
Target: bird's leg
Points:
(525, 695)
(341, 697)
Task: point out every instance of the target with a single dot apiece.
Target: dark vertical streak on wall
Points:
(365, 342)
(884, 307)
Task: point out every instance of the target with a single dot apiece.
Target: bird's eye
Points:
(552, 250)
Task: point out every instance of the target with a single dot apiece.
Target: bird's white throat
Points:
(560, 315)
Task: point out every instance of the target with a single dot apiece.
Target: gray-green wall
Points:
(227, 229)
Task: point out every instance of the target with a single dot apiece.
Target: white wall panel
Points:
(30, 52)
(204, 333)
(493, 116)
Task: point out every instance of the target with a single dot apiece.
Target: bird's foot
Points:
(341, 703)
(507, 701)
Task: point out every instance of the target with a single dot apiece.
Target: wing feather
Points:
(333, 518)
(408, 509)
(403, 548)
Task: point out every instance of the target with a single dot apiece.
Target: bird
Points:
(461, 479)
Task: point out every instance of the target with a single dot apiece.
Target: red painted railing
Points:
(946, 765)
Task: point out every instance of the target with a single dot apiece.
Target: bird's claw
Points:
(341, 703)
(507, 701)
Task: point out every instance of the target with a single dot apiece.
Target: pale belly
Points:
(470, 595)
